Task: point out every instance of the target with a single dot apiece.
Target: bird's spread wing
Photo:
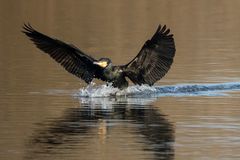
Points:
(154, 59)
(70, 57)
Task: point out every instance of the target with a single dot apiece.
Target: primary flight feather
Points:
(150, 65)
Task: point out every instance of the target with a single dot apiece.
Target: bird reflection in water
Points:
(97, 117)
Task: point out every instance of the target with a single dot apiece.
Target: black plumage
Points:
(150, 65)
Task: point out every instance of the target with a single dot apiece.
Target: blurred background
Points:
(207, 38)
(206, 35)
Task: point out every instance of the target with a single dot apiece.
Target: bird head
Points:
(103, 62)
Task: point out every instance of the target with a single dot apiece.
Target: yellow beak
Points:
(102, 64)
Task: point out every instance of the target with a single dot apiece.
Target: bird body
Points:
(150, 65)
(115, 75)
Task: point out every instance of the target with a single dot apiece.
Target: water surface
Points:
(192, 113)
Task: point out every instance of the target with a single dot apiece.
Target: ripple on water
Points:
(219, 89)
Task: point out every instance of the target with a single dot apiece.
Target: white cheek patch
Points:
(103, 64)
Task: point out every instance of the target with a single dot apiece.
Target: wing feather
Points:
(154, 59)
(69, 56)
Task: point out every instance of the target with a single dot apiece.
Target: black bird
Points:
(150, 65)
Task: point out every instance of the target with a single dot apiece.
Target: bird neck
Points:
(109, 66)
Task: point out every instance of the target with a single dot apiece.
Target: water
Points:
(146, 91)
(192, 113)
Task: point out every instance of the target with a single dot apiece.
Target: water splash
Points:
(219, 89)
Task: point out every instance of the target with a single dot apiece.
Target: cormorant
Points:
(150, 65)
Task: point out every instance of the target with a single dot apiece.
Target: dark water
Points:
(192, 113)
(117, 131)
